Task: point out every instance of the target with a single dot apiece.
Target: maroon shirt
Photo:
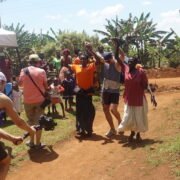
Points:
(134, 86)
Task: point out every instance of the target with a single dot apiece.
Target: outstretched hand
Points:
(17, 140)
(153, 100)
(88, 46)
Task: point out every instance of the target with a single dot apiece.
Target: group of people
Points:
(78, 78)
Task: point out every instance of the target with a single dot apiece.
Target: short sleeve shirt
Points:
(30, 92)
(84, 75)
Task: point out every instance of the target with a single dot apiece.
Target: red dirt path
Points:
(99, 158)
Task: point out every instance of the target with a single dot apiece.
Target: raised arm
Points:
(119, 53)
(98, 58)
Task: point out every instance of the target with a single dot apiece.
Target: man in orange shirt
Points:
(85, 111)
(32, 96)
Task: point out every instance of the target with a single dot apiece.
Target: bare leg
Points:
(138, 137)
(108, 116)
(49, 109)
(115, 112)
(130, 138)
(70, 103)
(38, 137)
(62, 106)
(4, 167)
(66, 100)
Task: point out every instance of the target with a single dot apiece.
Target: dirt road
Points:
(100, 158)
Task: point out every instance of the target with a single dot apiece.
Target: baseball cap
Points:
(107, 55)
(2, 77)
(34, 57)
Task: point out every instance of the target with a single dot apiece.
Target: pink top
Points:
(134, 86)
(30, 92)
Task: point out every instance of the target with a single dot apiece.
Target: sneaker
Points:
(40, 146)
(110, 133)
(30, 144)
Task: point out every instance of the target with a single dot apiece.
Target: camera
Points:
(47, 123)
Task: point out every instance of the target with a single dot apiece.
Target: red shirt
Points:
(134, 86)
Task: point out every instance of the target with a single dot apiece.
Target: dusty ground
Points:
(99, 158)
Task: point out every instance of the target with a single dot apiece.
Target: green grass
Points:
(62, 131)
(169, 151)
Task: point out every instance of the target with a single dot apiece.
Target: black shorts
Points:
(3, 153)
(110, 98)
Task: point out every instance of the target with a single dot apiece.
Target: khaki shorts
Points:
(33, 113)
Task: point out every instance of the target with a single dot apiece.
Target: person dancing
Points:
(135, 108)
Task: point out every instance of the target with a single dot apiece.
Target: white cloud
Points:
(170, 19)
(54, 17)
(82, 12)
(90, 19)
(108, 12)
(146, 3)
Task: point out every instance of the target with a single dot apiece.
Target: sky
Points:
(79, 15)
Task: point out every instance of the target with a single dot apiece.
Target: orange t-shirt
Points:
(84, 75)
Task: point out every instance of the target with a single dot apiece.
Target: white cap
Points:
(2, 77)
(34, 57)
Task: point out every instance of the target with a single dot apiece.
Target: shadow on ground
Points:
(122, 139)
(145, 142)
(94, 137)
(46, 154)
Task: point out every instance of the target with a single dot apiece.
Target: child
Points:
(56, 89)
(17, 97)
(69, 85)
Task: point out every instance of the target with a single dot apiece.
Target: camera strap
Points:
(26, 71)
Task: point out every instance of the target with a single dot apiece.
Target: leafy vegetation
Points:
(138, 36)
